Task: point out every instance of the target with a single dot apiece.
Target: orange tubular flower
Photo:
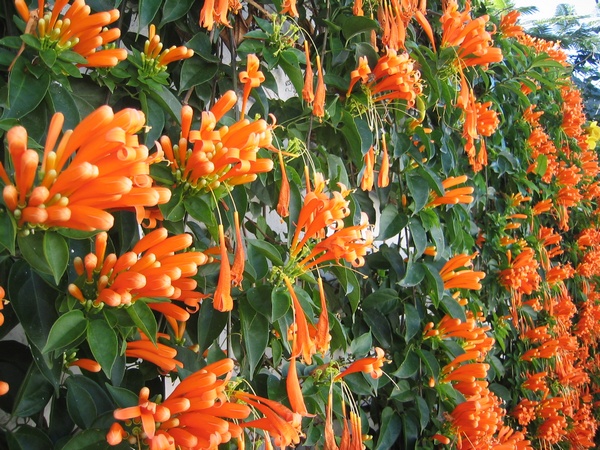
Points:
(147, 412)
(96, 167)
(369, 365)
(367, 180)
(224, 156)
(289, 7)
(2, 301)
(319, 103)
(250, 78)
(294, 391)
(521, 274)
(239, 259)
(222, 300)
(308, 93)
(383, 180)
(217, 11)
(278, 420)
(4, 387)
(454, 196)
(155, 59)
(283, 204)
(158, 354)
(464, 278)
(508, 24)
(469, 35)
(87, 364)
(77, 30)
(394, 77)
(152, 269)
(302, 343)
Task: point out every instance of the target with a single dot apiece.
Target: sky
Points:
(547, 8)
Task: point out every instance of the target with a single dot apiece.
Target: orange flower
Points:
(308, 94)
(278, 420)
(302, 343)
(369, 365)
(155, 59)
(322, 336)
(88, 364)
(394, 77)
(367, 179)
(508, 24)
(394, 17)
(294, 391)
(319, 103)
(2, 302)
(77, 30)
(222, 300)
(289, 7)
(383, 180)
(469, 35)
(146, 411)
(521, 274)
(158, 354)
(212, 12)
(237, 269)
(454, 196)
(152, 269)
(250, 78)
(227, 155)
(283, 204)
(463, 278)
(96, 167)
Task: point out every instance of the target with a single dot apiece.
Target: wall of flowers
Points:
(317, 224)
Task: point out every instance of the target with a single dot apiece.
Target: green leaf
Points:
(32, 249)
(144, 319)
(147, 10)
(380, 327)
(49, 56)
(167, 100)
(124, 398)
(453, 308)
(415, 272)
(418, 236)
(56, 252)
(353, 137)
(289, 63)
(383, 300)
(174, 9)
(419, 190)
(362, 345)
(66, 331)
(196, 71)
(32, 41)
(390, 427)
(391, 222)
(200, 209)
(349, 283)
(86, 401)
(34, 394)
(174, 209)
(353, 25)
(8, 231)
(280, 303)
(33, 300)
(210, 324)
(25, 91)
(202, 47)
(431, 362)
(266, 249)
(412, 321)
(409, 367)
(103, 343)
(61, 100)
(410, 432)
(435, 282)
(255, 333)
(27, 437)
(92, 439)
(155, 120)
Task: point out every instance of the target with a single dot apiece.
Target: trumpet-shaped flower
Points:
(153, 269)
(155, 58)
(250, 78)
(369, 365)
(76, 30)
(452, 196)
(97, 167)
(225, 156)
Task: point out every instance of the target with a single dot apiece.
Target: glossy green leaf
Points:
(33, 300)
(144, 319)
(431, 363)
(391, 222)
(155, 120)
(103, 343)
(26, 437)
(200, 209)
(419, 190)
(196, 71)
(255, 333)
(415, 272)
(266, 249)
(412, 322)
(147, 10)
(66, 331)
(174, 209)
(174, 9)
(453, 308)
(167, 100)
(32, 249)
(123, 398)
(210, 324)
(380, 327)
(25, 91)
(202, 47)
(289, 64)
(353, 25)
(417, 235)
(349, 283)
(92, 439)
(86, 400)
(56, 252)
(383, 300)
(410, 432)
(8, 231)
(435, 282)
(61, 100)
(34, 394)
(409, 367)
(280, 303)
(390, 428)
